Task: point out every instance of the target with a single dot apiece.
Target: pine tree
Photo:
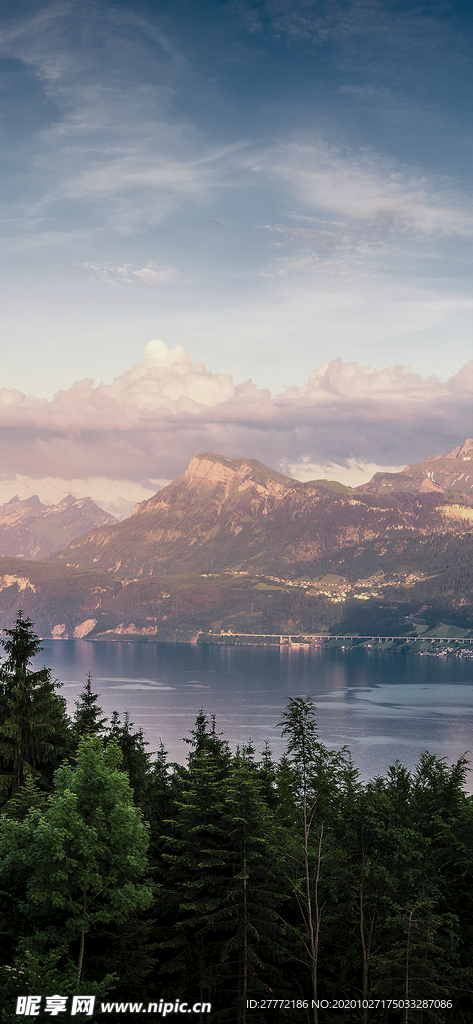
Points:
(21, 647)
(88, 720)
(136, 760)
(34, 731)
(196, 856)
(203, 738)
(267, 776)
(246, 922)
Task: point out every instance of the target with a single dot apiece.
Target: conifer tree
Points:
(197, 856)
(88, 720)
(267, 776)
(203, 738)
(158, 804)
(21, 648)
(246, 921)
(34, 730)
(136, 760)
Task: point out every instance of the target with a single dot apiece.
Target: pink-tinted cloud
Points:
(154, 417)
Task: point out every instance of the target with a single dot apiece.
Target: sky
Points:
(237, 226)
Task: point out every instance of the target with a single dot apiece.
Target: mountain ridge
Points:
(29, 529)
(449, 472)
(239, 514)
(232, 546)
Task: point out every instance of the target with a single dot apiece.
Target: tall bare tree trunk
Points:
(366, 936)
(244, 992)
(80, 958)
(318, 913)
(407, 965)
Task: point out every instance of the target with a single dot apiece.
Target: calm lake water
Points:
(383, 706)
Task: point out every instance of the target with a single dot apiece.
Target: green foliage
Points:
(21, 647)
(88, 720)
(247, 921)
(84, 857)
(34, 733)
(35, 972)
(135, 759)
(279, 880)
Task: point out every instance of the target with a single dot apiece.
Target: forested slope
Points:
(266, 889)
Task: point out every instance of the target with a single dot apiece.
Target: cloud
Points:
(113, 275)
(147, 424)
(368, 189)
(111, 145)
(354, 473)
(150, 275)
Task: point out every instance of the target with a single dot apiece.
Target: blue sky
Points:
(270, 186)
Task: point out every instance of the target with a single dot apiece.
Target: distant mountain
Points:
(451, 472)
(395, 587)
(234, 546)
(238, 514)
(29, 529)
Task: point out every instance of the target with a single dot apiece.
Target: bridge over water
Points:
(317, 639)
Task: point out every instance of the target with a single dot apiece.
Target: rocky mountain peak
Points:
(211, 469)
(464, 451)
(222, 477)
(217, 469)
(449, 472)
(29, 529)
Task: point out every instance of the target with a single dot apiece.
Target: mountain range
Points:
(450, 472)
(233, 545)
(29, 529)
(240, 515)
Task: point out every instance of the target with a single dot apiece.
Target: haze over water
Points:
(382, 706)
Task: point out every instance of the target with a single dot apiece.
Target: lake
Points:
(383, 706)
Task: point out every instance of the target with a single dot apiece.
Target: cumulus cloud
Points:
(146, 425)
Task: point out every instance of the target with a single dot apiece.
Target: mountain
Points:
(29, 529)
(451, 472)
(397, 588)
(232, 545)
(240, 515)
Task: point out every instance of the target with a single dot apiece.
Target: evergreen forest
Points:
(276, 891)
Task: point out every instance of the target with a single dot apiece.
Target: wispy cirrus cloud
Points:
(366, 188)
(112, 275)
(338, 125)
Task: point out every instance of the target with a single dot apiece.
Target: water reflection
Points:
(382, 706)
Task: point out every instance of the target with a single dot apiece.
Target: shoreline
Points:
(458, 647)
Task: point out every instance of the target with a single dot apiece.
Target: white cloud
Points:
(343, 421)
(150, 275)
(166, 384)
(366, 188)
(353, 474)
(113, 275)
